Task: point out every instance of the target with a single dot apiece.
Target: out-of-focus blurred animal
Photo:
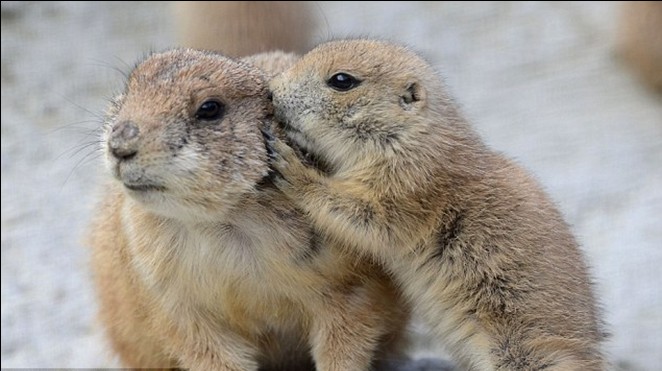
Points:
(241, 28)
(639, 41)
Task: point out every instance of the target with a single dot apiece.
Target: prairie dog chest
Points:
(248, 262)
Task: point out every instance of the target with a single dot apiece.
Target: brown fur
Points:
(242, 28)
(478, 248)
(199, 261)
(640, 40)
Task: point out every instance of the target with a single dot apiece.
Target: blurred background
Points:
(541, 81)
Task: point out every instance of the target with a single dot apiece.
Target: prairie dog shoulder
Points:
(200, 262)
(473, 240)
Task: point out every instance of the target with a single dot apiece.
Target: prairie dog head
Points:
(184, 137)
(352, 100)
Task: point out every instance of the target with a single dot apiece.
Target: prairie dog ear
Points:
(414, 95)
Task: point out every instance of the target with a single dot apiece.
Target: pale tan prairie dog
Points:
(478, 248)
(199, 261)
(242, 28)
(640, 40)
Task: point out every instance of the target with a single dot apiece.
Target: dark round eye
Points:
(343, 82)
(210, 110)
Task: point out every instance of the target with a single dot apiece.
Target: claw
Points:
(272, 174)
(269, 141)
(267, 135)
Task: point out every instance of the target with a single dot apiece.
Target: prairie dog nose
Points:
(123, 142)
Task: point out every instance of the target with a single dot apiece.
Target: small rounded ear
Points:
(413, 95)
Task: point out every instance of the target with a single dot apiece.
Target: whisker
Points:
(128, 66)
(83, 125)
(104, 64)
(75, 150)
(99, 116)
(86, 134)
(84, 160)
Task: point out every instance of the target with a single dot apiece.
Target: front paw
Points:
(284, 159)
(279, 154)
(290, 174)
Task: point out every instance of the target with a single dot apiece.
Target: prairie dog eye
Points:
(210, 110)
(342, 82)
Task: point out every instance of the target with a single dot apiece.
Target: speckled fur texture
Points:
(479, 249)
(199, 261)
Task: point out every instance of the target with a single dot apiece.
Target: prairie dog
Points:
(478, 248)
(640, 40)
(200, 262)
(242, 28)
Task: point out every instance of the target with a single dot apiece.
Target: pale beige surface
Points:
(538, 80)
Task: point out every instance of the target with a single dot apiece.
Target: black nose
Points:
(123, 141)
(270, 96)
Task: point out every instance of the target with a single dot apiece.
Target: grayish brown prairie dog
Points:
(477, 246)
(242, 28)
(199, 261)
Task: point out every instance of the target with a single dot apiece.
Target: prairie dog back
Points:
(476, 245)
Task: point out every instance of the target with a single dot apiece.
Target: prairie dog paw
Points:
(284, 160)
(282, 184)
(285, 151)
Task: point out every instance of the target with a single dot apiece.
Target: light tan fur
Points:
(478, 248)
(199, 261)
(242, 28)
(640, 40)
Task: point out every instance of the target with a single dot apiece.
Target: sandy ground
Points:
(538, 80)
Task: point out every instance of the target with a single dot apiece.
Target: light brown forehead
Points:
(187, 71)
(368, 57)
